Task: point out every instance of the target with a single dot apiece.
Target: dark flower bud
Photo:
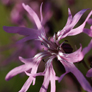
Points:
(67, 48)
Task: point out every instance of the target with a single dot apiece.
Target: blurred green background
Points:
(68, 83)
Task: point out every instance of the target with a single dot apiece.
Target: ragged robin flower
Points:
(54, 50)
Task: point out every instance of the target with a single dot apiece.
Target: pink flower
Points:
(54, 50)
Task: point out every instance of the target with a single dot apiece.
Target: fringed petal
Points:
(27, 84)
(16, 71)
(33, 15)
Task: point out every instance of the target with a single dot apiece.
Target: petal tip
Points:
(23, 4)
(41, 3)
(7, 78)
(87, 75)
(20, 57)
(4, 28)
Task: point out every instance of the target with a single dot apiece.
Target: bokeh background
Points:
(55, 13)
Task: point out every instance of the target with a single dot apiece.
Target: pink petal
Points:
(89, 21)
(77, 17)
(33, 15)
(78, 55)
(41, 13)
(88, 31)
(36, 60)
(53, 85)
(79, 29)
(75, 31)
(68, 29)
(27, 84)
(52, 79)
(81, 79)
(25, 60)
(69, 20)
(45, 84)
(49, 76)
(61, 77)
(46, 80)
(86, 49)
(89, 73)
(16, 71)
(75, 56)
(35, 18)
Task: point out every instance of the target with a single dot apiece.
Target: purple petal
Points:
(22, 31)
(79, 29)
(61, 77)
(68, 29)
(16, 71)
(88, 31)
(45, 84)
(33, 15)
(27, 39)
(89, 73)
(69, 20)
(52, 78)
(75, 56)
(41, 13)
(35, 18)
(78, 55)
(86, 49)
(89, 21)
(27, 84)
(81, 79)
(49, 76)
(25, 60)
(69, 67)
(53, 86)
(77, 17)
(75, 31)
(46, 80)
